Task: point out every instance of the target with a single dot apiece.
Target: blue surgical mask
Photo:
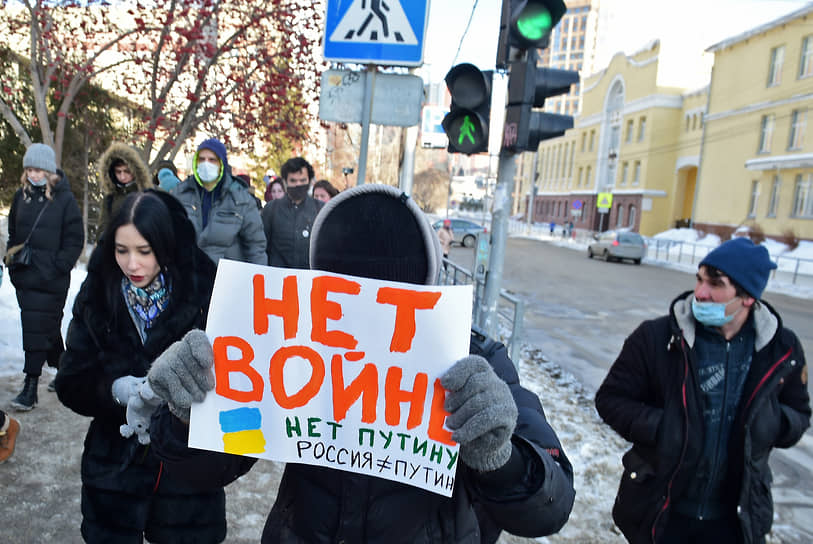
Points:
(40, 183)
(208, 172)
(712, 314)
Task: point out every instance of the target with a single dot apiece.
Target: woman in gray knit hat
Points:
(45, 238)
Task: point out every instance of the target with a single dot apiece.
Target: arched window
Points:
(619, 222)
(632, 217)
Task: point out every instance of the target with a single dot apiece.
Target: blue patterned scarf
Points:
(149, 302)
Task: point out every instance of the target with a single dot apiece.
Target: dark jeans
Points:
(682, 530)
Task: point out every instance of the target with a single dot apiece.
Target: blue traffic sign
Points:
(376, 31)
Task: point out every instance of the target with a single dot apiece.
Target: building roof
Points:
(760, 29)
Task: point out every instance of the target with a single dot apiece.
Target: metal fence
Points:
(510, 309)
(793, 270)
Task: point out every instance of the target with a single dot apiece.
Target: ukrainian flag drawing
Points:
(241, 431)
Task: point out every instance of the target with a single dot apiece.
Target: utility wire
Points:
(463, 37)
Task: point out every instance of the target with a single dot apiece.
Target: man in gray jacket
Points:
(288, 221)
(224, 214)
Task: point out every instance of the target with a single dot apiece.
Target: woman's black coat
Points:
(103, 346)
(56, 244)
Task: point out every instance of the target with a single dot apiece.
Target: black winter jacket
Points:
(531, 496)
(103, 346)
(56, 244)
(114, 193)
(287, 229)
(651, 398)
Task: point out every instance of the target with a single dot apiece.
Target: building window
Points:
(619, 221)
(641, 129)
(579, 178)
(694, 122)
(803, 197)
(631, 222)
(806, 61)
(687, 123)
(775, 69)
(587, 177)
(636, 176)
(592, 139)
(798, 121)
(752, 205)
(584, 141)
(766, 133)
(628, 137)
(774, 202)
(624, 172)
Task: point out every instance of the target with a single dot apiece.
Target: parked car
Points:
(618, 245)
(464, 232)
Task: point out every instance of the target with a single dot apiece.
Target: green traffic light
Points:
(467, 130)
(534, 23)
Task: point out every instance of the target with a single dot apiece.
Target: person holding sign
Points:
(513, 474)
(147, 285)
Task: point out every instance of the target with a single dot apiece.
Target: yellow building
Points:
(757, 162)
(628, 141)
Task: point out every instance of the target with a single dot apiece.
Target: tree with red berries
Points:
(241, 70)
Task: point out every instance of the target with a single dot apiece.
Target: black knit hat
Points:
(375, 231)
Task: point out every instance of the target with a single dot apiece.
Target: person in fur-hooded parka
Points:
(123, 172)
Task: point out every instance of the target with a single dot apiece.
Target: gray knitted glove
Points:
(183, 373)
(125, 387)
(140, 408)
(482, 411)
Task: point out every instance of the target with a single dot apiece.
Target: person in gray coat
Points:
(224, 214)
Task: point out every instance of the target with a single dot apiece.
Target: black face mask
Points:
(298, 192)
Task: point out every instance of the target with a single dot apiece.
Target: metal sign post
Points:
(366, 111)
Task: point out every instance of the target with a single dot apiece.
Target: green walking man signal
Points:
(467, 131)
(466, 124)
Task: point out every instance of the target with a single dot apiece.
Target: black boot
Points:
(27, 398)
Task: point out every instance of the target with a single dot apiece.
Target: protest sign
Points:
(333, 370)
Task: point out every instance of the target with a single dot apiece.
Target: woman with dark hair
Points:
(323, 190)
(147, 285)
(275, 189)
(45, 238)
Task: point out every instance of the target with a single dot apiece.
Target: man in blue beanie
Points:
(224, 214)
(704, 394)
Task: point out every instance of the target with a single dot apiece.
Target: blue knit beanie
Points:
(744, 262)
(40, 156)
(215, 146)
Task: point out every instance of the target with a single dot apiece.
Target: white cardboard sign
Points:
(333, 370)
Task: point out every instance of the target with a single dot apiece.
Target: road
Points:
(578, 311)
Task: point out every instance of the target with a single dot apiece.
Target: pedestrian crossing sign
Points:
(605, 200)
(376, 31)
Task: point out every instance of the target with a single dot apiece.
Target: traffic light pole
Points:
(499, 234)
